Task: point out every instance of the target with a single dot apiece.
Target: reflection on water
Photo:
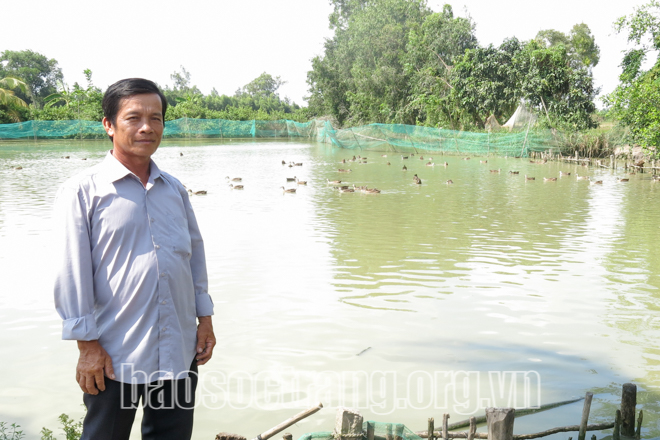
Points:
(492, 273)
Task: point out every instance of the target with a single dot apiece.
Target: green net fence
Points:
(373, 137)
(381, 431)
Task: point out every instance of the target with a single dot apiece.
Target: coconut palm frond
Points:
(13, 83)
(7, 98)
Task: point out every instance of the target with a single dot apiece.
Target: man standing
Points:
(133, 282)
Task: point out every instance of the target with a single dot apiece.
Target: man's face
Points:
(138, 129)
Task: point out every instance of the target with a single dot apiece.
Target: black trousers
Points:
(168, 409)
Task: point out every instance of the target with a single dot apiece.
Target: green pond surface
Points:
(491, 291)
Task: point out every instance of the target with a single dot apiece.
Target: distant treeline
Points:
(32, 87)
(397, 61)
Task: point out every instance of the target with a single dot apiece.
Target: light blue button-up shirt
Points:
(133, 270)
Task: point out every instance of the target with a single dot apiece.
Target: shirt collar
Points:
(114, 170)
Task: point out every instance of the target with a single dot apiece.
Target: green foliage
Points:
(12, 108)
(580, 44)
(394, 61)
(256, 100)
(361, 78)
(39, 73)
(263, 86)
(10, 432)
(432, 51)
(563, 92)
(46, 434)
(492, 81)
(486, 82)
(636, 100)
(584, 45)
(79, 102)
(72, 429)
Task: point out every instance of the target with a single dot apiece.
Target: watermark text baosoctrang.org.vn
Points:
(380, 392)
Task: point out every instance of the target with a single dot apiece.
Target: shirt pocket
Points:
(179, 236)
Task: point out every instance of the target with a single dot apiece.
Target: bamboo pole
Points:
(572, 428)
(585, 415)
(519, 413)
(285, 424)
(596, 427)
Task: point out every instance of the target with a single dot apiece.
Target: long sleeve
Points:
(203, 301)
(74, 283)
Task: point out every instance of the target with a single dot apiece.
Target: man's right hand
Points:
(92, 363)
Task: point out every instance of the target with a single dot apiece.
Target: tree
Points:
(486, 81)
(580, 44)
(432, 51)
(262, 86)
(562, 91)
(76, 103)
(636, 100)
(39, 73)
(361, 77)
(584, 45)
(9, 102)
(7, 96)
(493, 81)
(182, 90)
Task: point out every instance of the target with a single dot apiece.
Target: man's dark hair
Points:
(125, 88)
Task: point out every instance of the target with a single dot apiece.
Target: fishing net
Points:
(412, 138)
(373, 137)
(180, 128)
(381, 431)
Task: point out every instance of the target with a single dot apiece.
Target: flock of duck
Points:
(344, 187)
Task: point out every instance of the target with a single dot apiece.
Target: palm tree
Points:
(9, 100)
(7, 96)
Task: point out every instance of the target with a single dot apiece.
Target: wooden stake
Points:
(585, 416)
(431, 428)
(473, 428)
(617, 426)
(628, 403)
(282, 426)
(638, 433)
(348, 423)
(398, 433)
(287, 436)
(500, 423)
(445, 423)
(388, 432)
(371, 427)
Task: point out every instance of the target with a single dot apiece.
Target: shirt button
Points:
(164, 329)
(157, 247)
(164, 302)
(163, 274)
(151, 220)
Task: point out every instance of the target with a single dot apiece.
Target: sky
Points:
(226, 44)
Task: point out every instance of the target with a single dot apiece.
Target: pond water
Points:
(418, 301)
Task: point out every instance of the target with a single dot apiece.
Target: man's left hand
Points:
(205, 340)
